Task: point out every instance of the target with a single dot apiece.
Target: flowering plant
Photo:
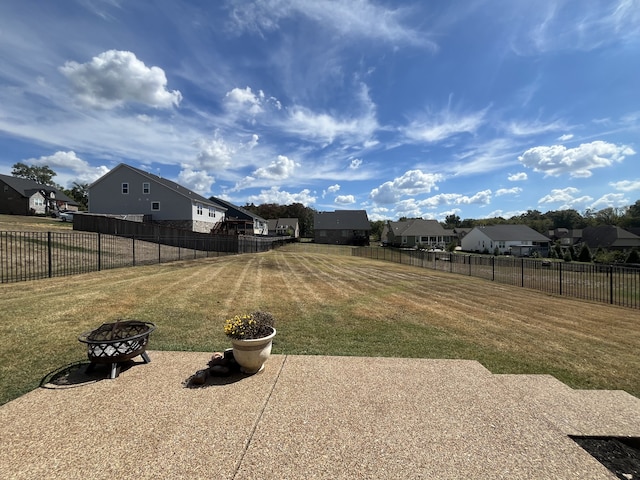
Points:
(249, 326)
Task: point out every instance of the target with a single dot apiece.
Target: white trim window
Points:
(198, 209)
(155, 206)
(125, 188)
(146, 188)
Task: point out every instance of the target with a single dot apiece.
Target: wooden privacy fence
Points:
(36, 255)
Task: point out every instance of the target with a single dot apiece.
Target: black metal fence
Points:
(614, 284)
(36, 255)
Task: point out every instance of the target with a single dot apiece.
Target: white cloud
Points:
(356, 18)
(115, 77)
(358, 126)
(355, 164)
(533, 128)
(577, 162)
(327, 128)
(566, 197)
(413, 182)
(279, 169)
(565, 137)
(508, 191)
(613, 200)
(435, 128)
(333, 188)
(198, 181)
(275, 195)
(626, 185)
(480, 198)
(215, 153)
(345, 200)
(82, 171)
(239, 100)
(517, 177)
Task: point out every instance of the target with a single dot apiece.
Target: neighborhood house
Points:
(519, 240)
(126, 190)
(20, 196)
(342, 227)
(417, 233)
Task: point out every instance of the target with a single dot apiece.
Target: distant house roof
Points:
(238, 210)
(512, 233)
(27, 188)
(341, 219)
(179, 189)
(609, 236)
(288, 222)
(418, 227)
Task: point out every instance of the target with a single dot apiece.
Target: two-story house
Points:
(126, 190)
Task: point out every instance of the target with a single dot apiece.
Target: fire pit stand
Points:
(114, 343)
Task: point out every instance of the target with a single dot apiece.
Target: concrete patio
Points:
(310, 417)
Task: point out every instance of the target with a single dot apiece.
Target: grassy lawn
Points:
(324, 305)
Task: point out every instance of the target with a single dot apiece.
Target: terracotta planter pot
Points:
(252, 354)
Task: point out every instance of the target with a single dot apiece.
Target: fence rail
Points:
(613, 284)
(36, 255)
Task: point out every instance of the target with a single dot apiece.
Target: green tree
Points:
(634, 257)
(42, 175)
(585, 254)
(80, 193)
(376, 229)
(451, 221)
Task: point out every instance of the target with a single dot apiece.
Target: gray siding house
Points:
(519, 240)
(127, 190)
(20, 196)
(342, 227)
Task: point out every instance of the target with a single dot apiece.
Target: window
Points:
(125, 188)
(212, 213)
(146, 188)
(155, 206)
(199, 208)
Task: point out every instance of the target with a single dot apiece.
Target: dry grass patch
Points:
(324, 304)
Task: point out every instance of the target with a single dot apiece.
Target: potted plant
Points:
(251, 337)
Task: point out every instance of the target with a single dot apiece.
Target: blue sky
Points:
(478, 108)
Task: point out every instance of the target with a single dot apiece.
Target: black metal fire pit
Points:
(117, 342)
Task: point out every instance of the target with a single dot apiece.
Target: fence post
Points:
(159, 255)
(99, 253)
(49, 254)
(493, 269)
(133, 249)
(522, 272)
(611, 284)
(560, 276)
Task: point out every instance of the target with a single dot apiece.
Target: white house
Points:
(126, 190)
(519, 240)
